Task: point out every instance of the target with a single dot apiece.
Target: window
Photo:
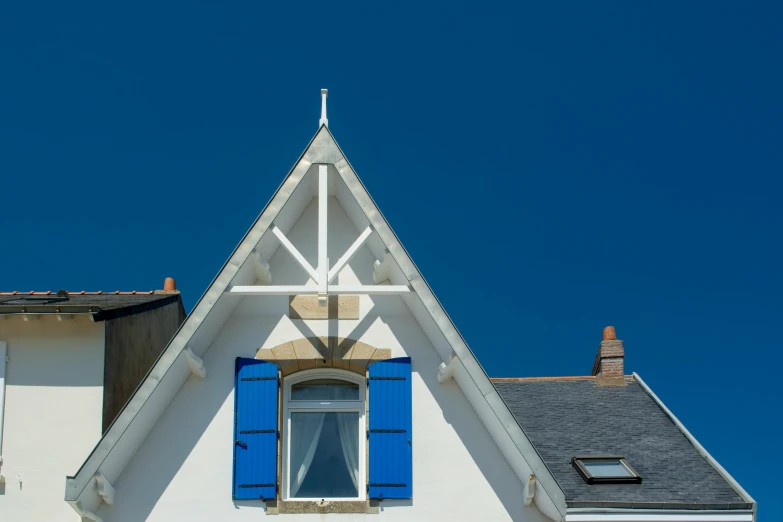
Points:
(323, 445)
(605, 470)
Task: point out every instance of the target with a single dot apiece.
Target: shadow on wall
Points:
(175, 436)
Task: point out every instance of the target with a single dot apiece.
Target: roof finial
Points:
(323, 120)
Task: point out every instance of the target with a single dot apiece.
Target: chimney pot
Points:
(169, 285)
(608, 367)
(610, 334)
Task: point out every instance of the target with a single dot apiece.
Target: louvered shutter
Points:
(391, 457)
(255, 429)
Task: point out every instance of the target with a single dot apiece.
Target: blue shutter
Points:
(391, 457)
(255, 430)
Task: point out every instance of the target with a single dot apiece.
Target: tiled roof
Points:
(568, 417)
(101, 305)
(81, 292)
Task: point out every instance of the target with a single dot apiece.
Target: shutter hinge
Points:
(241, 443)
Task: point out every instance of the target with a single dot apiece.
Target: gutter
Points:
(656, 515)
(700, 449)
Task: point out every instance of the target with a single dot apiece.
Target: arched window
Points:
(323, 435)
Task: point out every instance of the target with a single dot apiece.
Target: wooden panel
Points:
(133, 344)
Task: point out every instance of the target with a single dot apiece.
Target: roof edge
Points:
(96, 313)
(699, 448)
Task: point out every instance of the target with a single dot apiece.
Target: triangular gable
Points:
(131, 427)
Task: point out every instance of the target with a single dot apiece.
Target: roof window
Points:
(606, 470)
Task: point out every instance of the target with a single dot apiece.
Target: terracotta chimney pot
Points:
(610, 334)
(169, 285)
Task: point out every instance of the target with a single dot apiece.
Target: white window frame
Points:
(359, 406)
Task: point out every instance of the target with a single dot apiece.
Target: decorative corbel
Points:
(261, 269)
(89, 515)
(195, 363)
(380, 272)
(446, 371)
(530, 490)
(105, 489)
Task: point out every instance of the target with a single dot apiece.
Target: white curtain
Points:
(307, 427)
(349, 438)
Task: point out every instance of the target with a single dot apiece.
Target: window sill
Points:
(289, 507)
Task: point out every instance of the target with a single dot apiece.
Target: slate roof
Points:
(569, 417)
(101, 306)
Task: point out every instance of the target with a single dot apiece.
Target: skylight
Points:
(605, 470)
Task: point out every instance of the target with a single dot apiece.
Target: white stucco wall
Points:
(183, 470)
(53, 409)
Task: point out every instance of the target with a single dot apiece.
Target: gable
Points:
(260, 253)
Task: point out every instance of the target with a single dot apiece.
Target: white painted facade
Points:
(183, 470)
(169, 454)
(53, 411)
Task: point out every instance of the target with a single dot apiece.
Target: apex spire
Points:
(323, 120)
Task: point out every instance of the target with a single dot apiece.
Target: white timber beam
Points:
(369, 289)
(530, 490)
(323, 209)
(105, 489)
(446, 371)
(195, 363)
(313, 290)
(350, 253)
(295, 253)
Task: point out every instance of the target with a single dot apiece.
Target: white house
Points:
(68, 363)
(319, 377)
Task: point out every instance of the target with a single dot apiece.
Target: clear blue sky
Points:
(607, 163)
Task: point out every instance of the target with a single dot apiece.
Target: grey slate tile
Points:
(568, 418)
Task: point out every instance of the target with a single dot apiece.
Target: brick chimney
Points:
(608, 368)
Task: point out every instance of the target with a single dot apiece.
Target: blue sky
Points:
(574, 164)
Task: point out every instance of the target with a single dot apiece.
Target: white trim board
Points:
(660, 517)
(130, 428)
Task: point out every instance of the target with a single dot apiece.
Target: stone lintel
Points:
(323, 352)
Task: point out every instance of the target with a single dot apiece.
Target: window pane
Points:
(325, 390)
(324, 455)
(607, 468)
